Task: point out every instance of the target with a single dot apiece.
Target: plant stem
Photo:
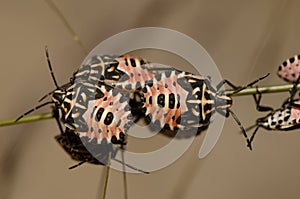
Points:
(31, 118)
(106, 176)
(264, 89)
(248, 91)
(66, 24)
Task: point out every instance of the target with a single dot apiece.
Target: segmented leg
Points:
(252, 136)
(293, 91)
(242, 128)
(55, 114)
(257, 102)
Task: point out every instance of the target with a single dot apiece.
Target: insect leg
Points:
(77, 165)
(223, 113)
(297, 106)
(257, 102)
(55, 113)
(242, 128)
(294, 90)
(252, 136)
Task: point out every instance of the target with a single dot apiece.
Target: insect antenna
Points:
(52, 75)
(50, 67)
(241, 127)
(55, 82)
(45, 96)
(34, 109)
(249, 85)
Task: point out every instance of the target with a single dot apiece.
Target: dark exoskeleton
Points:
(283, 119)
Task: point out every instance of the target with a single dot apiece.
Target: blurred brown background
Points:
(245, 38)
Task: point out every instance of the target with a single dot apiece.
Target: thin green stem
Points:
(31, 118)
(248, 91)
(66, 24)
(106, 176)
(124, 173)
(263, 89)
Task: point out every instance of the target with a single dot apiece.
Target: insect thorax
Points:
(222, 102)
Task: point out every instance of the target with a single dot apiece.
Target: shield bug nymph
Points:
(285, 118)
(179, 100)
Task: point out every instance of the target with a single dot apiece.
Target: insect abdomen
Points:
(289, 70)
(283, 119)
(176, 100)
